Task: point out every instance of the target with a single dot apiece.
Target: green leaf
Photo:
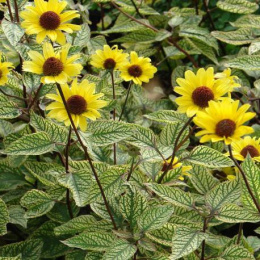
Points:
(9, 110)
(96, 241)
(155, 217)
(224, 193)
(32, 144)
(202, 179)
(253, 177)
(237, 6)
(16, 214)
(132, 205)
(108, 132)
(232, 213)
(29, 249)
(173, 195)
(55, 132)
(93, 255)
(82, 36)
(4, 217)
(236, 252)
(166, 116)
(239, 37)
(247, 21)
(142, 137)
(78, 183)
(121, 250)
(6, 128)
(170, 132)
(75, 225)
(185, 241)
(37, 203)
(12, 31)
(209, 157)
(202, 34)
(31, 81)
(245, 62)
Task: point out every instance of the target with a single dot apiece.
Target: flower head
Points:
(54, 67)
(109, 58)
(223, 120)
(176, 164)
(139, 69)
(48, 19)
(227, 78)
(4, 71)
(82, 103)
(198, 89)
(245, 146)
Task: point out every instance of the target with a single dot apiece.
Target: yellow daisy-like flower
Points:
(223, 120)
(227, 173)
(245, 146)
(139, 69)
(47, 19)
(54, 67)
(4, 71)
(109, 58)
(197, 90)
(82, 103)
(175, 165)
(226, 75)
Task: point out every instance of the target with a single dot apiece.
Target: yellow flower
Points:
(175, 165)
(2, 1)
(4, 71)
(109, 58)
(223, 120)
(82, 103)
(139, 69)
(47, 19)
(226, 75)
(227, 173)
(197, 90)
(54, 67)
(245, 146)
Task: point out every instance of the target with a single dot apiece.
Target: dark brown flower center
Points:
(52, 67)
(109, 64)
(50, 20)
(77, 105)
(225, 127)
(135, 71)
(202, 95)
(251, 150)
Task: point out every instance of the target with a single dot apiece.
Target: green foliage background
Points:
(46, 213)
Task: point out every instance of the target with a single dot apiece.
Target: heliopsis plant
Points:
(198, 89)
(47, 19)
(54, 67)
(129, 131)
(223, 120)
(139, 69)
(4, 71)
(109, 58)
(244, 146)
(82, 103)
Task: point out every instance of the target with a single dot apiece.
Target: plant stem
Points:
(124, 106)
(136, 9)
(240, 231)
(205, 224)
(170, 41)
(131, 169)
(244, 177)
(67, 172)
(10, 10)
(87, 156)
(114, 110)
(196, 6)
(175, 148)
(12, 96)
(16, 11)
(35, 97)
